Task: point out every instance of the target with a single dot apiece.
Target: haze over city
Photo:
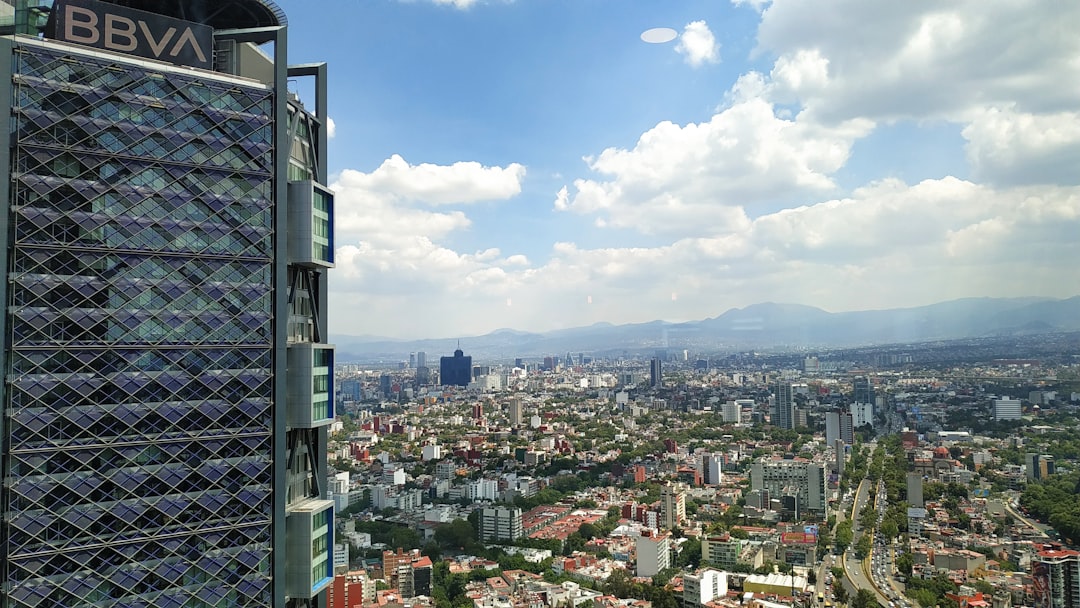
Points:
(536, 165)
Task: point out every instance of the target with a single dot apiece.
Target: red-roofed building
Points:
(1055, 576)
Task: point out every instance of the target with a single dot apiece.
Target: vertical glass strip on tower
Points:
(138, 408)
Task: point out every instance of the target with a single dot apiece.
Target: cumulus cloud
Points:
(386, 228)
(916, 61)
(461, 182)
(696, 179)
(1010, 147)
(949, 237)
(697, 44)
(331, 127)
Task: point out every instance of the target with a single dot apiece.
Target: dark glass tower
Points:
(166, 246)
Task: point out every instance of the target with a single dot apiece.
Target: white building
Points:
(730, 411)
(653, 552)
(862, 414)
(712, 469)
(704, 587)
(482, 489)
(1006, 409)
(431, 452)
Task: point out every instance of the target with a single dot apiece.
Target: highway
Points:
(857, 575)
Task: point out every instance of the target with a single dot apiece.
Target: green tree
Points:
(864, 598)
(863, 546)
(905, 563)
(840, 591)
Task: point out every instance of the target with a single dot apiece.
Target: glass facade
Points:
(138, 408)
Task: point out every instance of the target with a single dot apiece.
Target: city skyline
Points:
(538, 166)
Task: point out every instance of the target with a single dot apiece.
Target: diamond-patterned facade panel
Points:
(139, 397)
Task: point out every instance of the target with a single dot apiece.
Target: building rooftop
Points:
(219, 14)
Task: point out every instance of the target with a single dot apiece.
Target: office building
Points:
(1039, 466)
(500, 523)
(1055, 575)
(653, 552)
(798, 478)
(456, 370)
(783, 407)
(1006, 409)
(847, 428)
(168, 237)
(863, 390)
(656, 373)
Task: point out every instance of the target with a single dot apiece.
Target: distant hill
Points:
(762, 325)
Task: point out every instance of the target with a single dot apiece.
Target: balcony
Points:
(310, 385)
(311, 225)
(309, 548)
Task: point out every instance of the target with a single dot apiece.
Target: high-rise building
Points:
(783, 410)
(712, 469)
(1055, 576)
(863, 390)
(1006, 409)
(167, 241)
(915, 490)
(839, 426)
(807, 479)
(832, 427)
(1039, 466)
(656, 373)
(653, 552)
(515, 412)
(500, 523)
(456, 370)
(730, 411)
(672, 505)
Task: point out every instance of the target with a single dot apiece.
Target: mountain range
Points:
(765, 325)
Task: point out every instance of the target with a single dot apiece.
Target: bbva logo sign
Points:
(125, 30)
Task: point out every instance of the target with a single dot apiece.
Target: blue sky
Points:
(534, 164)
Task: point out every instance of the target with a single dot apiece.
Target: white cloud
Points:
(888, 244)
(902, 60)
(461, 182)
(696, 179)
(331, 127)
(697, 44)
(757, 5)
(1010, 147)
(458, 4)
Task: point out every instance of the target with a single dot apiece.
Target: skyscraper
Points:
(656, 373)
(516, 412)
(167, 243)
(456, 370)
(783, 411)
(864, 390)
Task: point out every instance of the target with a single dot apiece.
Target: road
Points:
(858, 576)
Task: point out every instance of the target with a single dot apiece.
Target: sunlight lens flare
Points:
(659, 35)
